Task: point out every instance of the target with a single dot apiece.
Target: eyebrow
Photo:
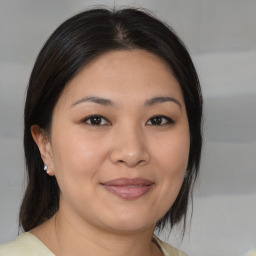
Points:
(94, 99)
(162, 99)
(107, 102)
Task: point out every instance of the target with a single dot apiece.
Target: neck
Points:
(74, 238)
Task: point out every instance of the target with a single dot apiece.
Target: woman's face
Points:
(119, 142)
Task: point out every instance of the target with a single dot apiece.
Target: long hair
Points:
(74, 44)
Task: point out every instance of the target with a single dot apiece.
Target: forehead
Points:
(124, 74)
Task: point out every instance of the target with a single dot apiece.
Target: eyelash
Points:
(90, 119)
(168, 120)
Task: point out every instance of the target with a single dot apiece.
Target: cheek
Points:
(76, 156)
(172, 162)
(76, 166)
(173, 154)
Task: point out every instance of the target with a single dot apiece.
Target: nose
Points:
(129, 148)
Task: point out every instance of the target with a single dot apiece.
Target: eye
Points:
(96, 120)
(159, 120)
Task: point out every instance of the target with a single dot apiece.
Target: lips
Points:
(128, 188)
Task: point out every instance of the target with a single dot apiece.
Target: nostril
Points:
(141, 161)
(131, 163)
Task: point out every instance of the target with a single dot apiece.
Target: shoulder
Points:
(16, 247)
(26, 244)
(167, 249)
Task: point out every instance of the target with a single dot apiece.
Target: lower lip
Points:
(129, 192)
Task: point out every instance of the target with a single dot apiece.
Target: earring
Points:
(186, 174)
(46, 169)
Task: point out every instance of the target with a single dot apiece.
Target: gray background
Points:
(221, 37)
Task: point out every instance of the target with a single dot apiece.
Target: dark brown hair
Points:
(75, 43)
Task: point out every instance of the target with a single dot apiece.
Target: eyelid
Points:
(84, 120)
(169, 120)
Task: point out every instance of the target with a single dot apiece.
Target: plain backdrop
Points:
(221, 38)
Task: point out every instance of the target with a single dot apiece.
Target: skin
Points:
(126, 142)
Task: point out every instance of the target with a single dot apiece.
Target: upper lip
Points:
(128, 182)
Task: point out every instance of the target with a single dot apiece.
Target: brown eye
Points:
(96, 120)
(159, 120)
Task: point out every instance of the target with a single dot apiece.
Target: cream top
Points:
(27, 244)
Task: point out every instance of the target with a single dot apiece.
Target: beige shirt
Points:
(27, 244)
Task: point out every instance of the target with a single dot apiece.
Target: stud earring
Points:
(46, 169)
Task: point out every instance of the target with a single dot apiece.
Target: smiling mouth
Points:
(129, 188)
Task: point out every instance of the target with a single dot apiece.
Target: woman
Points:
(112, 138)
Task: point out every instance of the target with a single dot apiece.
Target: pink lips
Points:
(128, 188)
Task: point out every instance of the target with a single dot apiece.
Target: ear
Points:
(42, 140)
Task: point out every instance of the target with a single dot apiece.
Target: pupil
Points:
(96, 120)
(157, 120)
